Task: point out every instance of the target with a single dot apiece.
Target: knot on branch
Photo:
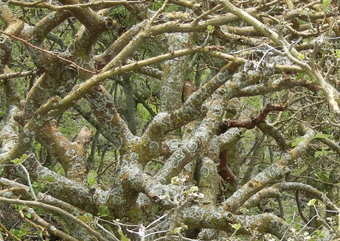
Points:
(109, 22)
(309, 86)
(99, 86)
(155, 199)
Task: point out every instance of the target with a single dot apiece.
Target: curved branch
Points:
(272, 172)
(55, 210)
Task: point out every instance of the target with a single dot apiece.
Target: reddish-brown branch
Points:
(251, 123)
(9, 234)
(223, 168)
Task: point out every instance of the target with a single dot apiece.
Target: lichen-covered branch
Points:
(53, 209)
(276, 170)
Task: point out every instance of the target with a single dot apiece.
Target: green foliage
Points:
(321, 136)
(20, 233)
(39, 232)
(123, 18)
(311, 202)
(297, 141)
(193, 189)
(20, 160)
(179, 181)
(19, 207)
(303, 76)
(157, 209)
(38, 186)
(301, 56)
(236, 226)
(122, 236)
(180, 229)
(70, 125)
(210, 29)
(92, 177)
(324, 151)
(254, 101)
(338, 53)
(103, 211)
(322, 175)
(317, 235)
(326, 3)
(143, 116)
(156, 5)
(154, 166)
(3, 110)
(28, 215)
(175, 180)
(318, 136)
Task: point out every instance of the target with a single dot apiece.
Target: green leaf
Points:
(92, 178)
(338, 53)
(326, 3)
(297, 141)
(156, 5)
(210, 28)
(320, 136)
(15, 232)
(299, 76)
(103, 211)
(324, 151)
(311, 202)
(20, 160)
(236, 226)
(122, 236)
(301, 56)
(175, 180)
(184, 226)
(38, 186)
(19, 207)
(28, 215)
(194, 189)
(318, 153)
(177, 230)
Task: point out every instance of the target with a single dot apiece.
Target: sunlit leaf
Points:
(311, 202)
(236, 226)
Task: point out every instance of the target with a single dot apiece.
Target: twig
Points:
(8, 232)
(28, 181)
(106, 231)
(18, 74)
(157, 13)
(48, 52)
(251, 123)
(41, 4)
(218, 7)
(54, 209)
(43, 225)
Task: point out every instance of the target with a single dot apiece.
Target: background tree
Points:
(172, 120)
